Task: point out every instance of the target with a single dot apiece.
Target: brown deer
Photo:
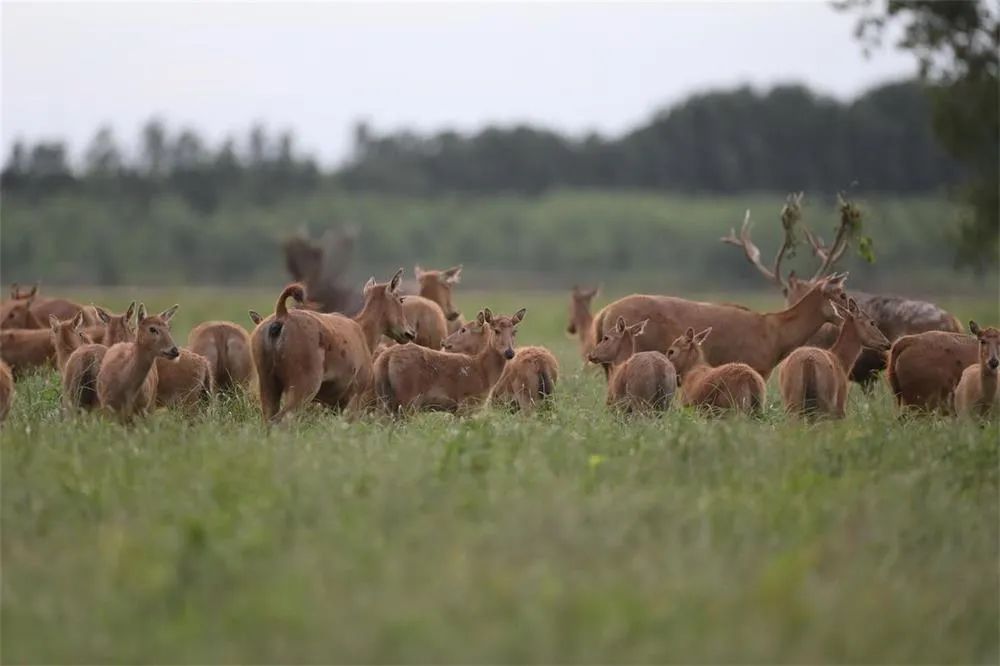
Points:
(437, 286)
(814, 380)
(16, 313)
(639, 381)
(410, 377)
(427, 320)
(127, 378)
(731, 386)
(528, 380)
(23, 349)
(226, 346)
(117, 328)
(744, 336)
(67, 337)
(43, 307)
(581, 321)
(924, 369)
(303, 356)
(183, 381)
(976, 394)
(895, 316)
(6, 390)
(79, 374)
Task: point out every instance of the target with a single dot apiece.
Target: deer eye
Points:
(463, 330)
(152, 329)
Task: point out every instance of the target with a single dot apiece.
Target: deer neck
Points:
(793, 326)
(697, 369)
(988, 383)
(490, 363)
(371, 325)
(63, 350)
(848, 345)
(142, 364)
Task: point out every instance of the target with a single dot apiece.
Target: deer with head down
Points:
(581, 320)
(527, 381)
(976, 393)
(814, 380)
(303, 356)
(727, 387)
(639, 381)
(412, 377)
(894, 315)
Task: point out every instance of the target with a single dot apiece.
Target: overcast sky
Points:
(316, 68)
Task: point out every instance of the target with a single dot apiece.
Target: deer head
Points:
(16, 313)
(864, 326)
(618, 343)
(384, 304)
(579, 307)
(153, 332)
(989, 347)
(502, 331)
(437, 286)
(469, 339)
(685, 352)
(117, 328)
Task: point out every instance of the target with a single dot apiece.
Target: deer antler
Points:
(790, 215)
(850, 221)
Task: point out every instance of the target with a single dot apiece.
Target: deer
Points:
(527, 381)
(43, 307)
(303, 356)
(895, 316)
(759, 340)
(226, 347)
(581, 320)
(976, 393)
(117, 328)
(410, 377)
(437, 286)
(639, 381)
(814, 381)
(67, 336)
(924, 369)
(79, 374)
(730, 386)
(16, 313)
(6, 390)
(183, 381)
(25, 349)
(427, 319)
(127, 378)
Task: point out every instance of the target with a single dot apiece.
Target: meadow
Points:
(572, 536)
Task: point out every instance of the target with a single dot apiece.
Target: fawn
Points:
(79, 374)
(731, 386)
(414, 377)
(924, 370)
(581, 321)
(976, 394)
(127, 378)
(528, 380)
(226, 347)
(639, 381)
(437, 286)
(814, 381)
(67, 336)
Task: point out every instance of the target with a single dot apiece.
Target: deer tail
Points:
(383, 383)
(810, 394)
(890, 371)
(296, 291)
(545, 384)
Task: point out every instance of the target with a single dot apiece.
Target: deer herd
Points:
(408, 352)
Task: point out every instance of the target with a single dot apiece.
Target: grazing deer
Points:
(639, 381)
(976, 394)
(437, 286)
(895, 316)
(581, 321)
(302, 356)
(731, 386)
(814, 381)
(6, 391)
(924, 369)
(528, 380)
(414, 377)
(127, 378)
(226, 347)
(744, 336)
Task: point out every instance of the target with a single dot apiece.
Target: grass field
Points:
(573, 536)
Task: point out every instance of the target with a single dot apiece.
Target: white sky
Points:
(316, 68)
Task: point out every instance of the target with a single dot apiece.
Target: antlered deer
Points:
(639, 381)
(581, 321)
(528, 380)
(745, 336)
(437, 286)
(6, 391)
(925, 368)
(302, 356)
(976, 394)
(731, 386)
(814, 381)
(414, 377)
(226, 346)
(127, 379)
(895, 316)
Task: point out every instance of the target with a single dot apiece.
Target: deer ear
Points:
(14, 291)
(169, 312)
(130, 311)
(839, 311)
(140, 313)
(481, 318)
(689, 334)
(974, 328)
(396, 279)
(852, 306)
(255, 316)
(637, 329)
(453, 275)
(519, 316)
(53, 322)
(103, 314)
(33, 291)
(620, 325)
(368, 285)
(78, 321)
(488, 315)
(701, 337)
(417, 271)
(590, 293)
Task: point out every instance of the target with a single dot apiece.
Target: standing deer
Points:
(126, 381)
(43, 307)
(226, 347)
(924, 369)
(639, 381)
(79, 376)
(413, 377)
(437, 286)
(731, 386)
(528, 380)
(581, 321)
(427, 320)
(303, 356)
(894, 315)
(67, 336)
(759, 340)
(976, 394)
(814, 380)
(6, 391)
(16, 313)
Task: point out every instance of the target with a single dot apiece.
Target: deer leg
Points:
(304, 389)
